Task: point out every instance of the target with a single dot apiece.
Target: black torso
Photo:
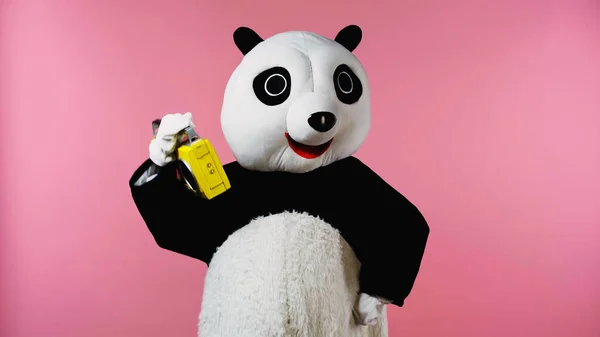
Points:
(329, 192)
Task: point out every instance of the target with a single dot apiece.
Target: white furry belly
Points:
(288, 274)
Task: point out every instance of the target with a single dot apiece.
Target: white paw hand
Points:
(163, 146)
(368, 309)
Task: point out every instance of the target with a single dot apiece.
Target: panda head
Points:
(297, 101)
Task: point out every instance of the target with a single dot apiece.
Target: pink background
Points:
(486, 115)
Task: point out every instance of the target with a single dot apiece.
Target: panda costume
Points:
(308, 241)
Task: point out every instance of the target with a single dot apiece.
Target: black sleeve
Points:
(393, 241)
(179, 220)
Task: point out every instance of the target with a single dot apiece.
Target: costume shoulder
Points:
(235, 172)
(360, 170)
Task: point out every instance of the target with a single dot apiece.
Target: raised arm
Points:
(391, 247)
(179, 220)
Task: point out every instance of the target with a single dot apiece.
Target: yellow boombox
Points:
(199, 167)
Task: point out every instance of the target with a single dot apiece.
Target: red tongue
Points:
(307, 151)
(310, 152)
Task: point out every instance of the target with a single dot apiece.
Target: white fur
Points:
(256, 132)
(284, 275)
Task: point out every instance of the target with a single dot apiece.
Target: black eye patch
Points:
(348, 87)
(273, 86)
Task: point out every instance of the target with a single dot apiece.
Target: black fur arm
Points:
(179, 220)
(391, 245)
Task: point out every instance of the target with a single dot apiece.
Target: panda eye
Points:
(344, 82)
(348, 87)
(272, 86)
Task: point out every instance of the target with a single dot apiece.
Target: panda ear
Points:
(246, 39)
(349, 37)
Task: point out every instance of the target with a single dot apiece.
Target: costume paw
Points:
(162, 148)
(368, 309)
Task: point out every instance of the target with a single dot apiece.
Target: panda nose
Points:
(322, 121)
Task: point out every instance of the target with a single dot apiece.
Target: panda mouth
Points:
(307, 151)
